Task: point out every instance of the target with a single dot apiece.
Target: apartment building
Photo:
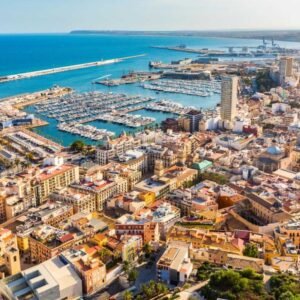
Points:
(115, 148)
(80, 199)
(174, 266)
(53, 177)
(88, 266)
(229, 99)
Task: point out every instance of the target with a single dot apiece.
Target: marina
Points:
(86, 131)
(202, 88)
(86, 107)
(72, 111)
(129, 120)
(169, 107)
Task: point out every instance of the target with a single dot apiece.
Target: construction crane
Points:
(273, 44)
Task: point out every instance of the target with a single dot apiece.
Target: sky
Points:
(39, 16)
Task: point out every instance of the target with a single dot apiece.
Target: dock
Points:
(190, 50)
(27, 75)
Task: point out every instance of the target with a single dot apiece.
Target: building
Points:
(16, 195)
(115, 148)
(166, 216)
(131, 246)
(46, 241)
(190, 121)
(50, 213)
(229, 98)
(114, 170)
(274, 158)
(226, 241)
(170, 124)
(103, 189)
(134, 160)
(291, 231)
(200, 200)
(174, 266)
(79, 199)
(9, 252)
(55, 279)
(228, 197)
(225, 258)
(234, 141)
(89, 267)
(130, 225)
(53, 177)
(166, 180)
(285, 68)
(157, 186)
(260, 213)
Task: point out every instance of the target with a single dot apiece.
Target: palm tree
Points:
(126, 266)
(127, 295)
(104, 253)
(147, 248)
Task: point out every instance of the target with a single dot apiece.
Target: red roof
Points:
(66, 237)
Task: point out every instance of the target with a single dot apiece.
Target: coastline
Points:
(278, 35)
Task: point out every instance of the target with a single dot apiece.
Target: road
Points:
(197, 286)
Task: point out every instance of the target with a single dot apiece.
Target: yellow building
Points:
(54, 177)
(2, 209)
(99, 239)
(81, 200)
(23, 242)
(184, 123)
(9, 251)
(147, 197)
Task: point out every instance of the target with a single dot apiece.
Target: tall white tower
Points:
(229, 98)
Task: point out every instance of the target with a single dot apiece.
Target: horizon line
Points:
(159, 30)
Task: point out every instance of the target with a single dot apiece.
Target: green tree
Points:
(264, 81)
(132, 275)
(251, 250)
(77, 146)
(161, 288)
(127, 295)
(153, 289)
(288, 295)
(218, 178)
(285, 285)
(126, 266)
(233, 285)
(29, 156)
(147, 249)
(104, 254)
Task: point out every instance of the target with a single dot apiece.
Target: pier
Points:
(190, 50)
(64, 69)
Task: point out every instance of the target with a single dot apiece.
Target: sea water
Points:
(32, 52)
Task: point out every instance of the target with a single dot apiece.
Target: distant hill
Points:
(279, 35)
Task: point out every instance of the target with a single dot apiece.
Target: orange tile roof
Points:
(53, 171)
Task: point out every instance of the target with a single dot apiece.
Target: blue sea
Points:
(28, 52)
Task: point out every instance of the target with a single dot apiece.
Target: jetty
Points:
(26, 75)
(182, 48)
